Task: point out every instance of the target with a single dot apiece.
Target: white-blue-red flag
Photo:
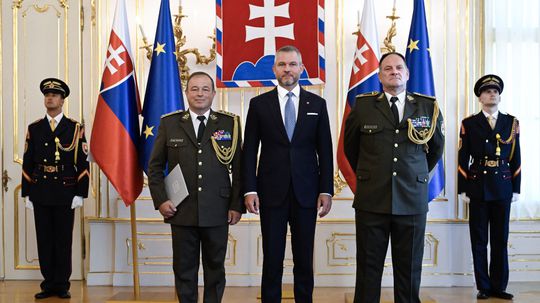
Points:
(115, 132)
(363, 79)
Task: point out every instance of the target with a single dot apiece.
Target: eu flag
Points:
(421, 78)
(163, 89)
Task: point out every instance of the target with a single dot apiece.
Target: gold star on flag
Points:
(160, 48)
(413, 45)
(148, 131)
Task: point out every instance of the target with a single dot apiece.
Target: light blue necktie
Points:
(290, 116)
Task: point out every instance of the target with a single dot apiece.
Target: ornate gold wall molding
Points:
(20, 13)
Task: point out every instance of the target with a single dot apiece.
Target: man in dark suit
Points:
(206, 144)
(293, 179)
(392, 140)
(489, 177)
(54, 181)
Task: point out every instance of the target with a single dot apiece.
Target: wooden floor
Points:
(23, 292)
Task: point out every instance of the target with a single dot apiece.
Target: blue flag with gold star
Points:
(163, 89)
(418, 60)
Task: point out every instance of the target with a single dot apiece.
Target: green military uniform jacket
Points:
(212, 193)
(392, 171)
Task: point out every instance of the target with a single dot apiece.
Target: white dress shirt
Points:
(400, 103)
(282, 97)
(196, 121)
(57, 119)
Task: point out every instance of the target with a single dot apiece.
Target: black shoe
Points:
(64, 294)
(503, 295)
(43, 294)
(482, 295)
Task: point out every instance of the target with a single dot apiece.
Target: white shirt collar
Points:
(495, 115)
(194, 116)
(282, 92)
(57, 118)
(401, 97)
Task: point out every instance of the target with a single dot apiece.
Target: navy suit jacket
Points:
(306, 162)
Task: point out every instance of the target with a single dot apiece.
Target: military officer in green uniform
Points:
(393, 140)
(207, 146)
(54, 181)
(489, 177)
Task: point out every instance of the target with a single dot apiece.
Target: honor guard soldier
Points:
(54, 181)
(489, 177)
(206, 144)
(392, 140)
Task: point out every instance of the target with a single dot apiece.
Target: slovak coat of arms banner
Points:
(249, 32)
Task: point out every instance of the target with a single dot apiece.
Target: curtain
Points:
(512, 48)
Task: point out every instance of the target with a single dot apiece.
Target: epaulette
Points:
(36, 121)
(373, 93)
(73, 120)
(226, 113)
(425, 96)
(172, 113)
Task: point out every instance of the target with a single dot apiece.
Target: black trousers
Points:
(372, 236)
(188, 242)
(54, 232)
(495, 217)
(302, 222)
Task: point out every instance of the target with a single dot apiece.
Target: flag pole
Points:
(135, 257)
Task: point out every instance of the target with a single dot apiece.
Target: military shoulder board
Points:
(36, 121)
(425, 96)
(373, 93)
(226, 113)
(172, 113)
(74, 121)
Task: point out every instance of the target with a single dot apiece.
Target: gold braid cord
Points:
(423, 136)
(74, 144)
(226, 154)
(510, 139)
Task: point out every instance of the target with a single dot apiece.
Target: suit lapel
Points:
(303, 101)
(384, 108)
(275, 111)
(61, 127)
(500, 122)
(187, 126)
(410, 108)
(483, 122)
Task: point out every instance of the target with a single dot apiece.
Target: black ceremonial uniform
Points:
(55, 170)
(392, 164)
(489, 172)
(203, 216)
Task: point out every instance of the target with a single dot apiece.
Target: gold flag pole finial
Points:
(392, 31)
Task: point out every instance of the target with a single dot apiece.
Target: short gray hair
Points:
(288, 49)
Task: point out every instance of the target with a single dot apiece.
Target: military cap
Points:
(488, 81)
(53, 85)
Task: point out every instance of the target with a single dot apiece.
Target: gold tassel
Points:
(498, 149)
(57, 153)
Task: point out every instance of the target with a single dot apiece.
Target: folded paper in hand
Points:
(175, 185)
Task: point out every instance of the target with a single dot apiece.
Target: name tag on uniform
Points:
(174, 140)
(370, 126)
(312, 114)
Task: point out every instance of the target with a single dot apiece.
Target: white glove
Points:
(515, 197)
(28, 204)
(77, 202)
(464, 197)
